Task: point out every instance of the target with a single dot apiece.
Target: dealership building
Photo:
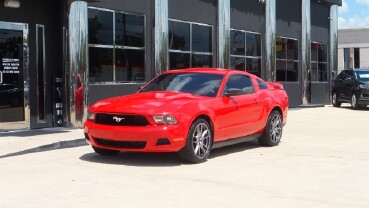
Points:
(58, 57)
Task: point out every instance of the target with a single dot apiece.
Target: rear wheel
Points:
(335, 101)
(273, 131)
(199, 142)
(105, 152)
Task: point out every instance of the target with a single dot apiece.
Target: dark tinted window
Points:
(241, 82)
(100, 27)
(253, 44)
(201, 38)
(253, 66)
(129, 30)
(179, 36)
(280, 48)
(237, 42)
(195, 83)
(238, 63)
(129, 65)
(287, 64)
(201, 60)
(179, 60)
(262, 84)
(101, 64)
(342, 75)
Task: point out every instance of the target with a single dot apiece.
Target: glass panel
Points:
(253, 66)
(292, 71)
(201, 61)
(237, 43)
(356, 57)
(100, 27)
(253, 44)
(11, 76)
(322, 50)
(129, 30)
(40, 73)
(238, 63)
(129, 65)
(281, 70)
(292, 49)
(314, 72)
(240, 82)
(280, 48)
(323, 74)
(101, 64)
(201, 38)
(179, 36)
(179, 60)
(314, 52)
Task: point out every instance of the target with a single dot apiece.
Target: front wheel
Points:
(335, 101)
(354, 101)
(105, 152)
(199, 142)
(273, 131)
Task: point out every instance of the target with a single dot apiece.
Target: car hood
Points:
(146, 103)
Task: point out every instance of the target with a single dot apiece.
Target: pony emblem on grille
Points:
(117, 119)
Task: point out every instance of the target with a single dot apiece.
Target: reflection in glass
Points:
(314, 51)
(253, 44)
(12, 83)
(129, 30)
(201, 60)
(179, 36)
(237, 42)
(179, 60)
(253, 66)
(314, 72)
(292, 71)
(322, 53)
(281, 70)
(238, 63)
(323, 73)
(129, 65)
(201, 38)
(101, 64)
(292, 49)
(100, 27)
(280, 48)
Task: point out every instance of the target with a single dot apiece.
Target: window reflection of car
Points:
(351, 86)
(189, 111)
(10, 95)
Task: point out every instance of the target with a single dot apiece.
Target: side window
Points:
(350, 73)
(262, 84)
(342, 75)
(241, 82)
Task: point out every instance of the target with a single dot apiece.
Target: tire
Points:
(353, 101)
(273, 130)
(105, 152)
(335, 101)
(198, 143)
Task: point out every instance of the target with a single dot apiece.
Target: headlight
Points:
(91, 116)
(165, 119)
(362, 86)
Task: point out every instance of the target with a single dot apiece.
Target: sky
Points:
(353, 14)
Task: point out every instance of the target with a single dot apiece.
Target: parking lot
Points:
(322, 161)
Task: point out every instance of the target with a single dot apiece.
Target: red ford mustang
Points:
(189, 111)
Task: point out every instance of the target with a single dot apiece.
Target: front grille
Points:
(121, 144)
(121, 120)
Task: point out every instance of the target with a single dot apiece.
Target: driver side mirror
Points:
(233, 92)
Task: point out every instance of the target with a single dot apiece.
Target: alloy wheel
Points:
(353, 101)
(276, 128)
(201, 140)
(334, 99)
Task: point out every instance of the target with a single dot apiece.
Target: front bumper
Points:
(160, 138)
(363, 97)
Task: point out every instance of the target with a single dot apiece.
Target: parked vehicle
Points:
(189, 111)
(351, 86)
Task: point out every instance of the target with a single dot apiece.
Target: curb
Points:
(49, 147)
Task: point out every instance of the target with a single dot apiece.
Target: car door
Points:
(241, 111)
(348, 84)
(339, 85)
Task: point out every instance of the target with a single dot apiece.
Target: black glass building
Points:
(58, 57)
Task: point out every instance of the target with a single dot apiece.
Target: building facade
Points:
(353, 48)
(58, 57)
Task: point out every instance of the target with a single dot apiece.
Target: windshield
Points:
(203, 84)
(362, 76)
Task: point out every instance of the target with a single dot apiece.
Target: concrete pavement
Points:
(321, 162)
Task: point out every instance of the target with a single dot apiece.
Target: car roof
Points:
(208, 70)
(357, 69)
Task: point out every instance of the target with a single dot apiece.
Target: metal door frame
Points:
(7, 126)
